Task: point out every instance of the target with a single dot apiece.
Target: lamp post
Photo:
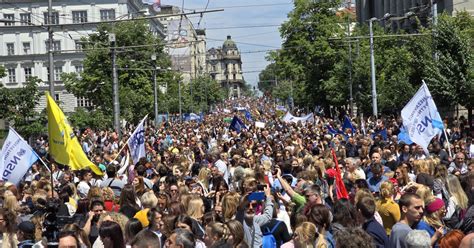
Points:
(372, 68)
(155, 91)
(115, 86)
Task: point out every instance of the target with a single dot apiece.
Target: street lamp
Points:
(372, 68)
(155, 92)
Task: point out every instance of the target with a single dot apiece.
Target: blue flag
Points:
(404, 137)
(248, 116)
(347, 124)
(192, 117)
(332, 130)
(382, 132)
(237, 124)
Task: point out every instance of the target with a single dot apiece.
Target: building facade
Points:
(224, 64)
(186, 45)
(367, 9)
(24, 41)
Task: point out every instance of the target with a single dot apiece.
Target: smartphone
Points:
(256, 196)
(261, 187)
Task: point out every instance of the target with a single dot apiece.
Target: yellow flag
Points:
(63, 144)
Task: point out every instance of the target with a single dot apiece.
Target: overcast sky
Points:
(263, 16)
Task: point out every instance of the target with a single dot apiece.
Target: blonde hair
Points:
(149, 199)
(108, 194)
(95, 192)
(116, 217)
(361, 193)
(230, 202)
(195, 207)
(433, 219)
(219, 230)
(203, 177)
(456, 191)
(425, 193)
(307, 233)
(422, 166)
(11, 203)
(386, 189)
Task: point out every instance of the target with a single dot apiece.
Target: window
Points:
(54, 17)
(83, 102)
(56, 97)
(26, 48)
(107, 14)
(79, 16)
(57, 73)
(10, 48)
(233, 76)
(213, 68)
(25, 19)
(28, 72)
(9, 17)
(78, 45)
(79, 68)
(11, 76)
(56, 45)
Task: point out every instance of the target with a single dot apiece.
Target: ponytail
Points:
(220, 231)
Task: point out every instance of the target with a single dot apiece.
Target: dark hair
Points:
(344, 213)
(9, 218)
(128, 197)
(146, 238)
(97, 203)
(151, 217)
(361, 184)
(352, 238)
(366, 206)
(320, 216)
(184, 219)
(111, 171)
(405, 200)
(132, 227)
(64, 234)
(112, 230)
(185, 238)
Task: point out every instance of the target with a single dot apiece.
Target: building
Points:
(185, 44)
(367, 9)
(24, 41)
(224, 64)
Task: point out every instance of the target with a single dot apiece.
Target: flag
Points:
(362, 126)
(63, 144)
(192, 117)
(382, 132)
(236, 124)
(347, 124)
(331, 130)
(421, 118)
(340, 187)
(248, 116)
(291, 118)
(403, 137)
(260, 124)
(16, 158)
(136, 142)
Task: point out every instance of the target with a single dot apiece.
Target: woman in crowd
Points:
(305, 235)
(387, 207)
(8, 227)
(320, 216)
(457, 204)
(111, 235)
(128, 201)
(432, 222)
(132, 228)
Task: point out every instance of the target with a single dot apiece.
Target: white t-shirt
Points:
(83, 188)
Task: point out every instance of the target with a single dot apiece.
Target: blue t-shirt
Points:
(374, 183)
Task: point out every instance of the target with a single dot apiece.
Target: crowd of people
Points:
(202, 184)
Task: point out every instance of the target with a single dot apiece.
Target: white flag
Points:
(16, 158)
(421, 118)
(291, 118)
(136, 142)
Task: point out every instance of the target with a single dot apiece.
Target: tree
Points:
(18, 108)
(268, 79)
(204, 92)
(307, 56)
(135, 69)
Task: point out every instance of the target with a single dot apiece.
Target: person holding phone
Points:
(252, 223)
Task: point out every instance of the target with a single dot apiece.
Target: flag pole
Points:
(447, 141)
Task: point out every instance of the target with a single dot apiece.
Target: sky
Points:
(253, 42)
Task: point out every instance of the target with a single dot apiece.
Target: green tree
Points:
(18, 108)
(134, 69)
(83, 118)
(308, 56)
(267, 79)
(205, 92)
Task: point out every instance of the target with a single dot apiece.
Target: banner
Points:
(136, 142)
(421, 118)
(192, 117)
(260, 124)
(290, 118)
(16, 158)
(63, 144)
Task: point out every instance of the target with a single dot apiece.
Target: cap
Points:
(435, 205)
(27, 227)
(102, 167)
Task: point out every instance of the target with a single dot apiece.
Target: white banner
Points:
(421, 118)
(291, 118)
(16, 158)
(136, 142)
(260, 124)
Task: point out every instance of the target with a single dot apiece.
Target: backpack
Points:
(268, 240)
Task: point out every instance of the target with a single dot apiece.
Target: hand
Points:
(439, 232)
(268, 192)
(278, 172)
